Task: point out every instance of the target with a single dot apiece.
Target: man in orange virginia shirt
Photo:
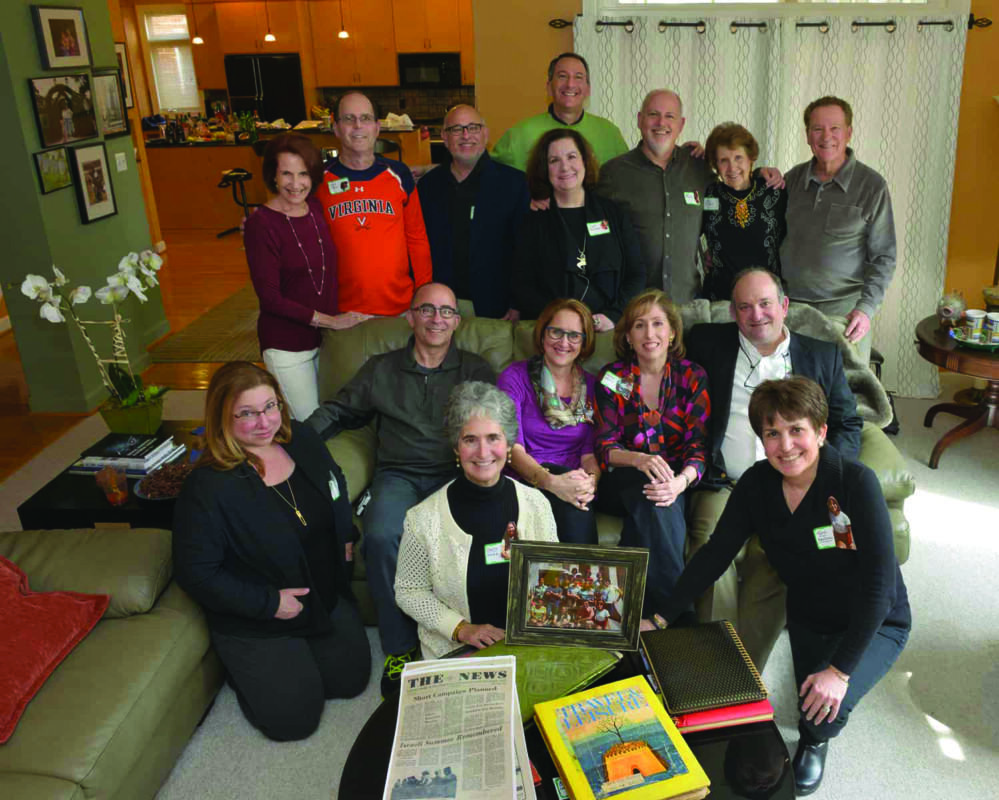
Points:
(374, 215)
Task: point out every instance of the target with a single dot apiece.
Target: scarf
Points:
(557, 413)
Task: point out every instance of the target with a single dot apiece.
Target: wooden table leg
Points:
(958, 409)
(986, 414)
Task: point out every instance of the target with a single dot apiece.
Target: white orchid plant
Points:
(136, 274)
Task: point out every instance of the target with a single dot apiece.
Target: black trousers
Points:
(282, 683)
(662, 530)
(811, 652)
(573, 524)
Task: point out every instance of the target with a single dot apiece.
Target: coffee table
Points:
(738, 759)
(76, 501)
(936, 346)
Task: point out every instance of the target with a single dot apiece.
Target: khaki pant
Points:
(748, 593)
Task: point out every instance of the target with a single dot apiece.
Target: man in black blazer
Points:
(738, 356)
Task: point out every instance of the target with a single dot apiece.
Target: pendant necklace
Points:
(322, 250)
(291, 503)
(580, 251)
(742, 207)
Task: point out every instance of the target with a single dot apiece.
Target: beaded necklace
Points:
(322, 250)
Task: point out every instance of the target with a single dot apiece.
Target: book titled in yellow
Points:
(618, 741)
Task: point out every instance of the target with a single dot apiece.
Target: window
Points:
(168, 45)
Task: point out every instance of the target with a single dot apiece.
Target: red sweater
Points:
(376, 222)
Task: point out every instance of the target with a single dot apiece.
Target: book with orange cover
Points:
(617, 741)
(741, 714)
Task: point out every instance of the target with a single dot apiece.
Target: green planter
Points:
(144, 418)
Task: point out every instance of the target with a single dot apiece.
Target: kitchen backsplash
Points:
(422, 105)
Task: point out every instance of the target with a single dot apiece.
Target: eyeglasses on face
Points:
(272, 408)
(428, 310)
(574, 337)
(471, 127)
(354, 119)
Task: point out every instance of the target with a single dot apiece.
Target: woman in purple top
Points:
(554, 401)
(293, 268)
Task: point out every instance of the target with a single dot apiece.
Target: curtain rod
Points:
(890, 25)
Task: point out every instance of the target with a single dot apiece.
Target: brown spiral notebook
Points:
(702, 667)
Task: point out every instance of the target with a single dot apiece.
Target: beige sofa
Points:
(501, 343)
(113, 717)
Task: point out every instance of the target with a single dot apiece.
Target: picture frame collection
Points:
(75, 106)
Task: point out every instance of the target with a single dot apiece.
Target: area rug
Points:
(227, 332)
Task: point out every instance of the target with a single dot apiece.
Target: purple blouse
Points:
(564, 446)
(280, 271)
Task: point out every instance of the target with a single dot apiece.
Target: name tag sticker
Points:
(334, 488)
(824, 537)
(690, 198)
(598, 228)
(710, 203)
(338, 187)
(613, 383)
(471, 213)
(494, 554)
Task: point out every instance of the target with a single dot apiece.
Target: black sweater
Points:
(831, 591)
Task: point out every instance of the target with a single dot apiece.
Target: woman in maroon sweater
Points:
(293, 268)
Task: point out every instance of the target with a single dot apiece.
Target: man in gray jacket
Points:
(405, 391)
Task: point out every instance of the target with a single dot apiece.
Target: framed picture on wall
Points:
(93, 183)
(53, 170)
(110, 102)
(64, 108)
(62, 36)
(126, 75)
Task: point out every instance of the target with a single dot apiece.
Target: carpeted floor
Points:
(227, 332)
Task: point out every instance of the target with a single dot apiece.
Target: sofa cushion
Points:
(133, 566)
(40, 629)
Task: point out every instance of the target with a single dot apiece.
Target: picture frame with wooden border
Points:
(109, 100)
(53, 170)
(92, 177)
(126, 73)
(62, 36)
(575, 595)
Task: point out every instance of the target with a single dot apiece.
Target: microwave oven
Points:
(428, 70)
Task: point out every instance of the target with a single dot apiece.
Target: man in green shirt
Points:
(568, 87)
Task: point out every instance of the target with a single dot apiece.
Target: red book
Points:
(740, 714)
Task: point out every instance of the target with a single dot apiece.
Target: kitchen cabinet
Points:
(426, 26)
(368, 57)
(209, 66)
(466, 35)
(243, 26)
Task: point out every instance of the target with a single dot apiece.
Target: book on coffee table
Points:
(725, 717)
(617, 740)
(702, 667)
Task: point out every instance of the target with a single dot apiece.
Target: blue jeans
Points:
(811, 653)
(393, 493)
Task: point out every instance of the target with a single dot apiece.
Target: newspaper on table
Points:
(459, 733)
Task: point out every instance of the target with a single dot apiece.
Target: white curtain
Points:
(904, 87)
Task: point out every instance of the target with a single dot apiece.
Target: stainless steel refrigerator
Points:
(271, 85)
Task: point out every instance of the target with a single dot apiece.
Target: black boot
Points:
(809, 761)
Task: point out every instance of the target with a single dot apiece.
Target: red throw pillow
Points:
(39, 631)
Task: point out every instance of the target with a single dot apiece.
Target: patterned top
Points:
(677, 430)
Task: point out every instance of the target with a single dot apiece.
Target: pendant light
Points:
(197, 38)
(343, 31)
(269, 37)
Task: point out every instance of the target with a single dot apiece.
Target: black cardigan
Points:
(614, 261)
(233, 552)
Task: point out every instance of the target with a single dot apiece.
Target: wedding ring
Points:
(827, 709)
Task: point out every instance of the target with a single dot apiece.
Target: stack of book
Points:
(137, 454)
(705, 676)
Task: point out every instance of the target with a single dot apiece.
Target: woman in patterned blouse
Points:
(652, 413)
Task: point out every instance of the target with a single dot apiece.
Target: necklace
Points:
(580, 251)
(292, 504)
(322, 250)
(741, 206)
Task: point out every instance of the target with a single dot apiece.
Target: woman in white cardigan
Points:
(451, 576)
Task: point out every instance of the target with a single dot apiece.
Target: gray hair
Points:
(749, 271)
(479, 399)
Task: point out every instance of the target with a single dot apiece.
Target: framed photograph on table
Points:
(110, 102)
(53, 170)
(93, 183)
(62, 36)
(126, 74)
(64, 108)
(575, 595)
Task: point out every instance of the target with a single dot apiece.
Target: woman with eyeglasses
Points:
(652, 414)
(293, 266)
(263, 538)
(582, 246)
(553, 396)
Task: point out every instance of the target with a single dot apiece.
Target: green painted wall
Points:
(42, 230)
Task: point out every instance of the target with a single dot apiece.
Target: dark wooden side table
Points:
(739, 760)
(76, 501)
(936, 346)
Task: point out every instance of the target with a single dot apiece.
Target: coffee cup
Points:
(974, 321)
(990, 331)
